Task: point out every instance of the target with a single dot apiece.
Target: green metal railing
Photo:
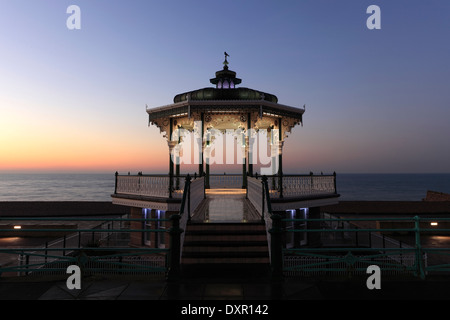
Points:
(351, 259)
(96, 249)
(101, 248)
(92, 249)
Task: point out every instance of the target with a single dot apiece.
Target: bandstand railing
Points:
(279, 186)
(151, 185)
(291, 185)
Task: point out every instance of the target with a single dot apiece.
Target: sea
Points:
(99, 187)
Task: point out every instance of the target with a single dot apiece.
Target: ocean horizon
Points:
(100, 186)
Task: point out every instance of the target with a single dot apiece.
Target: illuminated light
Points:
(434, 223)
(17, 227)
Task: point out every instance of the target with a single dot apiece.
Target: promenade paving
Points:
(233, 284)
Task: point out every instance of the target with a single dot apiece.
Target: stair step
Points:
(227, 270)
(225, 238)
(223, 260)
(224, 250)
(219, 257)
(219, 243)
(230, 243)
(226, 226)
(234, 254)
(225, 232)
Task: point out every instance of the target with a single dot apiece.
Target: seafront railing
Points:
(102, 248)
(338, 257)
(379, 248)
(343, 247)
(99, 249)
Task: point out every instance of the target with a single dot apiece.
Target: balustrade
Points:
(301, 185)
(292, 185)
(149, 185)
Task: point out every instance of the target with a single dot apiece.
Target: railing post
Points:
(263, 184)
(27, 262)
(276, 262)
(188, 188)
(46, 252)
(335, 185)
(175, 248)
(419, 261)
(115, 182)
(64, 245)
(19, 273)
(280, 182)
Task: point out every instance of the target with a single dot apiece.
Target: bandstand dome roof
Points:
(224, 97)
(225, 89)
(225, 94)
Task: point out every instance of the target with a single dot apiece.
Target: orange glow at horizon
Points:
(35, 141)
(63, 153)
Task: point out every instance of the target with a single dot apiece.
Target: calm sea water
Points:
(56, 187)
(99, 187)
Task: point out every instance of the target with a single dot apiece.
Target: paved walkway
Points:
(228, 283)
(226, 205)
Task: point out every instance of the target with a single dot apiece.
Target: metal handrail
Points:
(419, 268)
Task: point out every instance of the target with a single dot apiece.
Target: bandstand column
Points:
(244, 161)
(201, 147)
(172, 145)
(249, 146)
(280, 158)
(177, 161)
(244, 173)
(207, 156)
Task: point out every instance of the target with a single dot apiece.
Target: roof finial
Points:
(225, 63)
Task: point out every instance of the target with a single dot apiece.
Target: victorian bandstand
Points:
(225, 218)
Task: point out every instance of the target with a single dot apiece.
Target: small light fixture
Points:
(434, 223)
(17, 227)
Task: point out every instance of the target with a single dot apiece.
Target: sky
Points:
(74, 100)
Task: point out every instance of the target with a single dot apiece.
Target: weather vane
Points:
(226, 61)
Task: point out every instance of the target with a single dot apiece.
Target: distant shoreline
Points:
(104, 208)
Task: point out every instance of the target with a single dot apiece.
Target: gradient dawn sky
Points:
(377, 101)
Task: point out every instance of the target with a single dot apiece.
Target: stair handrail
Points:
(266, 198)
(185, 218)
(179, 222)
(273, 231)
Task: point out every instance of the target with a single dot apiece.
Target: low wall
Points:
(59, 208)
(26, 230)
(409, 208)
(394, 209)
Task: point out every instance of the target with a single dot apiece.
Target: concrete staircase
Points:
(225, 243)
